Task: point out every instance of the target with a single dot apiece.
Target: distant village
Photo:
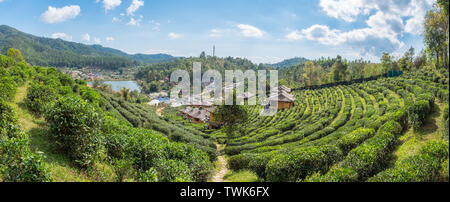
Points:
(91, 74)
(204, 112)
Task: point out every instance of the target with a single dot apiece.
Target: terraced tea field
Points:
(343, 133)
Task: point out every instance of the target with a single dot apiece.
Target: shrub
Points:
(417, 113)
(353, 139)
(8, 88)
(444, 171)
(423, 167)
(413, 169)
(148, 176)
(371, 156)
(173, 171)
(302, 162)
(19, 164)
(74, 124)
(391, 127)
(334, 175)
(39, 97)
(446, 121)
(8, 122)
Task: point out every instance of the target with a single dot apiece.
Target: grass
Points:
(412, 141)
(242, 176)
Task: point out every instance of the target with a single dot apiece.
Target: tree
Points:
(386, 62)
(338, 69)
(15, 54)
(96, 83)
(203, 55)
(230, 116)
(125, 93)
(312, 73)
(436, 33)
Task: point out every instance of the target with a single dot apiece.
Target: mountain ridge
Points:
(44, 51)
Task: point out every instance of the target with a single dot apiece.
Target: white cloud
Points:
(62, 36)
(97, 40)
(294, 35)
(134, 6)
(57, 15)
(111, 4)
(347, 10)
(384, 25)
(134, 22)
(175, 36)
(250, 31)
(86, 38)
(109, 39)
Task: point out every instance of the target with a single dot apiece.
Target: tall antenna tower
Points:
(214, 50)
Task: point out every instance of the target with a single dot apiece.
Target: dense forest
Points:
(59, 53)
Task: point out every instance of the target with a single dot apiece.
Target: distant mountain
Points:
(289, 62)
(59, 53)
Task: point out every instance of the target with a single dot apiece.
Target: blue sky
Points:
(261, 30)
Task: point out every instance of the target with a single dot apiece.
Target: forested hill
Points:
(59, 53)
(289, 62)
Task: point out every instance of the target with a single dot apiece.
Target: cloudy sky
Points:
(261, 30)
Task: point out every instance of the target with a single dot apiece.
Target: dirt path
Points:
(221, 165)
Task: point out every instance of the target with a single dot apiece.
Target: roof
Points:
(284, 88)
(283, 97)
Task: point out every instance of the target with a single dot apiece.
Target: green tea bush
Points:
(424, 167)
(75, 124)
(17, 162)
(8, 88)
(353, 139)
(39, 97)
(302, 162)
(370, 157)
(391, 127)
(334, 175)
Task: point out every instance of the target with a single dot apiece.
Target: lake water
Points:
(117, 85)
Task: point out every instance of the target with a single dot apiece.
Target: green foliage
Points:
(230, 116)
(75, 127)
(353, 139)
(334, 175)
(302, 162)
(371, 156)
(39, 97)
(148, 176)
(8, 88)
(6, 61)
(15, 54)
(424, 167)
(17, 162)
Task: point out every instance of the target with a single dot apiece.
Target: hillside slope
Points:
(59, 53)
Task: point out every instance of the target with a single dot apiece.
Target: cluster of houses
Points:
(204, 112)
